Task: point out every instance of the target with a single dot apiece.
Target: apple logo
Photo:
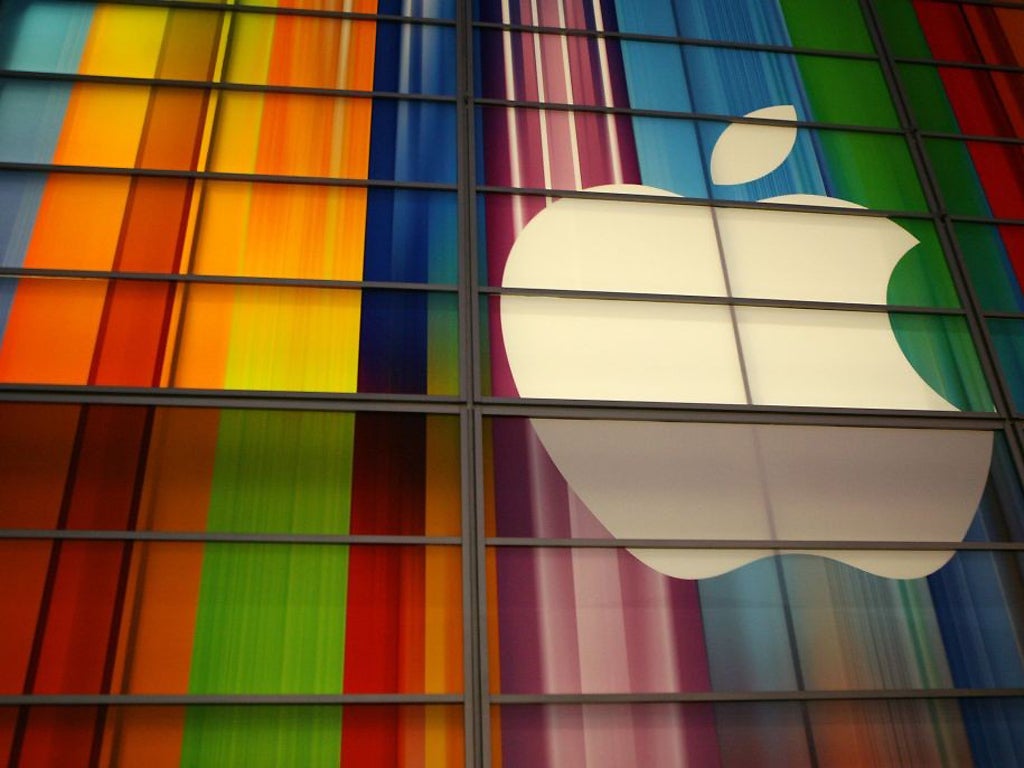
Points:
(702, 481)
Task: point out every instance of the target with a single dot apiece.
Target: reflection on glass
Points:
(556, 149)
(597, 349)
(227, 471)
(602, 350)
(679, 481)
(873, 734)
(972, 32)
(674, 249)
(291, 134)
(1008, 338)
(247, 229)
(658, 490)
(966, 100)
(993, 256)
(273, 133)
(979, 178)
(600, 621)
(692, 78)
(308, 735)
(140, 333)
(829, 24)
(177, 618)
(341, 233)
(632, 350)
(127, 42)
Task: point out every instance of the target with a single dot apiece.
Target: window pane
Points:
(163, 128)
(783, 734)
(308, 735)
(238, 228)
(1008, 339)
(127, 40)
(214, 336)
(979, 178)
(994, 257)
(686, 481)
(556, 149)
(974, 32)
(220, 618)
(234, 471)
(834, 24)
(602, 621)
(662, 351)
(693, 250)
(565, 69)
(985, 103)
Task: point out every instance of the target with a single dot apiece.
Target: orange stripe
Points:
(70, 234)
(163, 588)
(51, 331)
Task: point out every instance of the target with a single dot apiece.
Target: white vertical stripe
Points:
(513, 134)
(567, 74)
(538, 63)
(606, 88)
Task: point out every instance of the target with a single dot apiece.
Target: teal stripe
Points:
(43, 37)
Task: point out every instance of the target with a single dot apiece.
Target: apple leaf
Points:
(746, 152)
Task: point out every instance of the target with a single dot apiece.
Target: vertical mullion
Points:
(469, 388)
(483, 669)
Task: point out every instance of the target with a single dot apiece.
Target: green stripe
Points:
(271, 617)
(830, 24)
(878, 171)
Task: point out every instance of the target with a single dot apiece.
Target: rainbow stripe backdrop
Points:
(598, 621)
(233, 618)
(213, 189)
(215, 335)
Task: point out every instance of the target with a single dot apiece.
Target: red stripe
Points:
(384, 628)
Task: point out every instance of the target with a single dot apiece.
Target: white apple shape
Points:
(670, 480)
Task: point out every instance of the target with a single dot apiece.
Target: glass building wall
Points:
(512, 383)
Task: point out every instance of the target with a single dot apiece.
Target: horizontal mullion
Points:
(220, 85)
(730, 301)
(586, 194)
(704, 116)
(249, 280)
(1015, 4)
(725, 697)
(1012, 69)
(1003, 315)
(270, 178)
(221, 699)
(734, 413)
(990, 220)
(231, 399)
(701, 42)
(223, 537)
(272, 10)
(696, 697)
(976, 138)
(758, 544)
(494, 407)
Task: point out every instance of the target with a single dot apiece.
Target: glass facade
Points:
(512, 383)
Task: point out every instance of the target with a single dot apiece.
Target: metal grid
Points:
(473, 405)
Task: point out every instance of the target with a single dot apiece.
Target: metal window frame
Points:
(472, 406)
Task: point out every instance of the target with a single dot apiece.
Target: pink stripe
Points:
(604, 622)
